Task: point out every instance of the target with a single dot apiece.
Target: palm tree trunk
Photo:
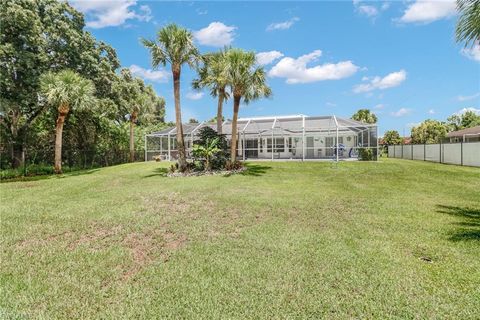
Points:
(62, 114)
(233, 148)
(182, 162)
(133, 118)
(221, 96)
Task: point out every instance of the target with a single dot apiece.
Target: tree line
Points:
(54, 74)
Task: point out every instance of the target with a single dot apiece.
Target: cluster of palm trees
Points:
(227, 73)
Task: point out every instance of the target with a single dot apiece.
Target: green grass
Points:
(393, 239)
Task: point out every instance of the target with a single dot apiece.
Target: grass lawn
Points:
(393, 239)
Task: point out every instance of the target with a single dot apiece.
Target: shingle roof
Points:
(461, 133)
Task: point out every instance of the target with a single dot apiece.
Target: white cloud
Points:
(111, 13)
(431, 111)
(391, 80)
(283, 25)
(216, 34)
(401, 112)
(473, 52)
(462, 111)
(264, 58)
(149, 74)
(296, 70)
(369, 11)
(467, 98)
(195, 95)
(201, 12)
(379, 106)
(426, 11)
(330, 104)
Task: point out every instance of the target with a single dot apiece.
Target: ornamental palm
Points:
(174, 45)
(468, 25)
(213, 75)
(247, 81)
(207, 151)
(67, 91)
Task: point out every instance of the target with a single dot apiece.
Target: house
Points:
(464, 135)
(288, 137)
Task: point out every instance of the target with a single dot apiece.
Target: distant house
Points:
(464, 135)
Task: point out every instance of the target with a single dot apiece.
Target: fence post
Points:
(411, 152)
(424, 152)
(461, 153)
(440, 148)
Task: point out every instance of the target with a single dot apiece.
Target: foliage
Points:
(366, 154)
(247, 82)
(47, 36)
(429, 131)
(213, 75)
(207, 151)
(206, 134)
(468, 119)
(365, 116)
(193, 120)
(174, 45)
(37, 37)
(392, 137)
(468, 25)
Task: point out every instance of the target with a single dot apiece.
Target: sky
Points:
(398, 58)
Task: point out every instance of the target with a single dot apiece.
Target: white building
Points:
(297, 137)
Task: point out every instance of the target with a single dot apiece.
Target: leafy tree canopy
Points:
(468, 119)
(365, 115)
(392, 137)
(429, 131)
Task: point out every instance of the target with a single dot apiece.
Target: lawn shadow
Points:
(469, 227)
(255, 170)
(64, 175)
(157, 172)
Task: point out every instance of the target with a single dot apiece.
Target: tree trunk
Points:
(221, 96)
(233, 148)
(18, 154)
(182, 161)
(133, 118)
(62, 114)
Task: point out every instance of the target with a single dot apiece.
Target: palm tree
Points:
(68, 91)
(175, 46)
(468, 25)
(213, 75)
(365, 115)
(247, 81)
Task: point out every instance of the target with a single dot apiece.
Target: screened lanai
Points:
(294, 137)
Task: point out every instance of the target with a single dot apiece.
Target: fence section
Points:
(461, 153)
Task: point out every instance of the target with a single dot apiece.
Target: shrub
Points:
(219, 160)
(365, 154)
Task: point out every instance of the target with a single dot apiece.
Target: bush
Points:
(206, 134)
(366, 154)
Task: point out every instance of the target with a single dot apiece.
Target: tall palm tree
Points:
(174, 45)
(213, 75)
(247, 81)
(468, 25)
(136, 100)
(68, 91)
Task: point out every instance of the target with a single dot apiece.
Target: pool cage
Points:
(295, 137)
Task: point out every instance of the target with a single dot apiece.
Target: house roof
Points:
(288, 124)
(461, 133)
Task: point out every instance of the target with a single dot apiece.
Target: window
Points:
(279, 145)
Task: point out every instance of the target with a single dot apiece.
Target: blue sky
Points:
(398, 59)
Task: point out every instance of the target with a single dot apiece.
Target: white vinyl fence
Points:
(461, 153)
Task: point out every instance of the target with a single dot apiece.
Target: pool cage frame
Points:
(294, 137)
